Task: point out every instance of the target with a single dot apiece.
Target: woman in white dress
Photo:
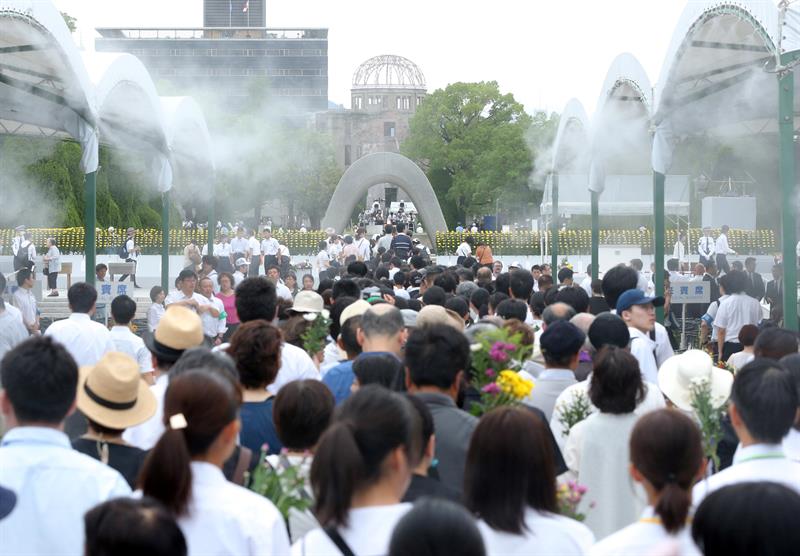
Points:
(362, 467)
(510, 484)
(597, 447)
(184, 471)
(666, 459)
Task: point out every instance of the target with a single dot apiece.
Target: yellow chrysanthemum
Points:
(511, 383)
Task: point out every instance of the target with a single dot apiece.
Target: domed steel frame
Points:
(388, 72)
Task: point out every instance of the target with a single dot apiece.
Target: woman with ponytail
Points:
(667, 460)
(184, 471)
(362, 467)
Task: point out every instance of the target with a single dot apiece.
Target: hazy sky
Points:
(543, 51)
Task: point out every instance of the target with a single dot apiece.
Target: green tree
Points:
(471, 141)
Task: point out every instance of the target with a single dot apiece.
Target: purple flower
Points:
(498, 354)
(490, 372)
(491, 388)
(509, 347)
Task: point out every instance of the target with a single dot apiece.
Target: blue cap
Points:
(636, 297)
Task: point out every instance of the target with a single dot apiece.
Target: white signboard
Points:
(107, 291)
(690, 291)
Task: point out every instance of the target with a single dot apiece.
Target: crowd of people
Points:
(354, 397)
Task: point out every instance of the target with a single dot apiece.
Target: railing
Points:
(230, 33)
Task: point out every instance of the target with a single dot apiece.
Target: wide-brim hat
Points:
(436, 314)
(178, 330)
(113, 394)
(309, 302)
(680, 373)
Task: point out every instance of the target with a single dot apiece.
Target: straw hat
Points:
(436, 314)
(178, 330)
(113, 394)
(678, 373)
(309, 302)
(355, 309)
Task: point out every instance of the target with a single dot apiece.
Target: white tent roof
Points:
(44, 87)
(188, 138)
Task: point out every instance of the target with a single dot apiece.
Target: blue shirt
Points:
(55, 485)
(258, 428)
(339, 379)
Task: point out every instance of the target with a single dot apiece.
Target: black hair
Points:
(545, 282)
(256, 299)
(81, 297)
(427, 426)
(435, 355)
(336, 310)
(369, 425)
(501, 283)
(400, 278)
(520, 284)
(325, 283)
(209, 401)
(672, 264)
(536, 303)
(302, 411)
(496, 299)
(550, 295)
(202, 357)
(458, 305)
(123, 309)
(345, 288)
(774, 343)
(383, 369)
(608, 329)
(616, 386)
(556, 350)
(618, 280)
(256, 348)
(597, 286)
(210, 260)
(666, 447)
(357, 268)
(465, 275)
(186, 274)
(574, 296)
(130, 527)
(748, 518)
(446, 282)
(510, 468)
(154, 292)
(100, 267)
(322, 245)
(765, 397)
(512, 309)
(736, 282)
(435, 295)
(348, 334)
(381, 272)
(40, 378)
(435, 527)
(565, 274)
(479, 297)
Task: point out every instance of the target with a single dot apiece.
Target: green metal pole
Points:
(90, 224)
(658, 236)
(554, 227)
(595, 234)
(165, 240)
(212, 219)
(787, 177)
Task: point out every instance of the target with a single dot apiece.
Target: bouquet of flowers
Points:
(497, 355)
(314, 338)
(578, 409)
(284, 486)
(569, 496)
(709, 418)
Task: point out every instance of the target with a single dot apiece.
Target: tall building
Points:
(234, 13)
(385, 94)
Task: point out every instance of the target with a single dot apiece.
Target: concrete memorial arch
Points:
(392, 168)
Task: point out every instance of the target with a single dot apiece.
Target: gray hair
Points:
(584, 322)
(557, 311)
(382, 320)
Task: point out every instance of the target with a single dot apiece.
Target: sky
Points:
(543, 51)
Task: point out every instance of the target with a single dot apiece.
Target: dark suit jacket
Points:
(774, 296)
(755, 286)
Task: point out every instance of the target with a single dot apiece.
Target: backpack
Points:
(123, 250)
(21, 258)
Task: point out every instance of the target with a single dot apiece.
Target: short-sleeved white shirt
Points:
(546, 534)
(322, 259)
(736, 311)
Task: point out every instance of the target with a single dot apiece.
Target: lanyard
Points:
(772, 455)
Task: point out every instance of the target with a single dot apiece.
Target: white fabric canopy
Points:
(188, 139)
(44, 87)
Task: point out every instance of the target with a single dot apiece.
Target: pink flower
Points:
(491, 388)
(509, 347)
(490, 372)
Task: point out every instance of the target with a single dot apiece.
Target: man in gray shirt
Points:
(437, 356)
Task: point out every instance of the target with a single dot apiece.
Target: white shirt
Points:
(757, 462)
(295, 365)
(55, 486)
(146, 435)
(646, 536)
(54, 264)
(283, 292)
(178, 295)
(464, 250)
(126, 341)
(17, 241)
(12, 331)
(223, 250)
(130, 246)
(363, 248)
(791, 445)
(240, 245)
(740, 359)
(705, 246)
(331, 356)
(721, 246)
(643, 349)
(154, 314)
(254, 246)
(225, 518)
(679, 251)
(736, 311)
(270, 246)
(367, 533)
(652, 401)
(385, 241)
(641, 282)
(586, 284)
(323, 261)
(213, 326)
(24, 300)
(546, 534)
(713, 307)
(86, 340)
(237, 278)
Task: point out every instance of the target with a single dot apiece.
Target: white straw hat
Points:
(680, 372)
(307, 301)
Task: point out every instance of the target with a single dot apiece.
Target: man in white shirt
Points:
(641, 280)
(705, 247)
(723, 250)
(123, 309)
(254, 251)
(679, 250)
(240, 244)
(24, 300)
(362, 245)
(19, 232)
(639, 314)
(269, 249)
(385, 240)
(86, 340)
(185, 295)
(586, 283)
(132, 250)
(54, 484)
(214, 327)
(734, 312)
(274, 276)
(762, 409)
(224, 254)
(463, 251)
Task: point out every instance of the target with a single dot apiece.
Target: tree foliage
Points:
(471, 141)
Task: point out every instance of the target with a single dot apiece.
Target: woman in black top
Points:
(106, 445)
